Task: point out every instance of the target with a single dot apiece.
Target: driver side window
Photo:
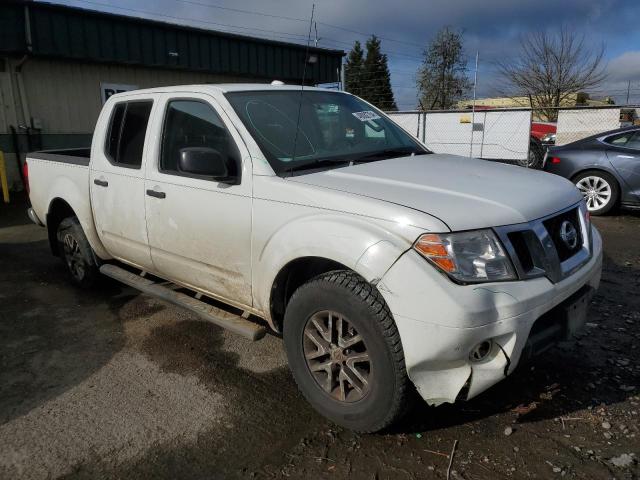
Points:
(188, 124)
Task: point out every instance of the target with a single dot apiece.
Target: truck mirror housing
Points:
(206, 162)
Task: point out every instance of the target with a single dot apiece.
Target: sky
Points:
(493, 28)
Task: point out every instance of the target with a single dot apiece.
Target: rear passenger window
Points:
(634, 142)
(127, 130)
(619, 140)
(192, 123)
(114, 131)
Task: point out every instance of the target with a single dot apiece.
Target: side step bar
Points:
(235, 323)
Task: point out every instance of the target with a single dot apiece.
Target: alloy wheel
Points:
(596, 191)
(337, 356)
(73, 256)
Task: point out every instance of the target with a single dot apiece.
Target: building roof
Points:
(49, 30)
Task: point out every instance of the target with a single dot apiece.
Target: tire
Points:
(535, 156)
(363, 313)
(600, 190)
(76, 253)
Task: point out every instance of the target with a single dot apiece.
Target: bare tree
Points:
(552, 67)
(442, 77)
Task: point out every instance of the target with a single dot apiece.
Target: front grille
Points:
(554, 246)
(554, 227)
(519, 242)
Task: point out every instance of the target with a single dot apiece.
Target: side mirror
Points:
(206, 162)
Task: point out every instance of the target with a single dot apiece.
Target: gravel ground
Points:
(113, 384)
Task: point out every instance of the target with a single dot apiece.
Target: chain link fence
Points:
(511, 135)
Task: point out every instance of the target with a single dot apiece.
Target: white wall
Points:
(580, 123)
(411, 122)
(497, 134)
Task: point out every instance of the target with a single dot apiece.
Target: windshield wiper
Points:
(387, 153)
(350, 160)
(321, 162)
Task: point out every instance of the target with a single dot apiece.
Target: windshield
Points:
(334, 129)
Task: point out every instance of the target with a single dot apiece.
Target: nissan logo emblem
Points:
(569, 234)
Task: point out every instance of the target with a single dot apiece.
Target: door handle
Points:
(153, 193)
(101, 183)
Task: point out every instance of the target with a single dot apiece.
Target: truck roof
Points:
(224, 88)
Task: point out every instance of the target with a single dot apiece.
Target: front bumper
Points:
(440, 322)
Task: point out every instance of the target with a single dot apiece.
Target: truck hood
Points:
(464, 193)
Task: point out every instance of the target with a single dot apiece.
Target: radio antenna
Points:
(304, 73)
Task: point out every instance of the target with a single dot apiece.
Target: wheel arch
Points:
(597, 169)
(294, 274)
(320, 243)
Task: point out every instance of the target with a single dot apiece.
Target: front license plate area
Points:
(575, 312)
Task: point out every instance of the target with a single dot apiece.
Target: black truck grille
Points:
(565, 248)
(554, 246)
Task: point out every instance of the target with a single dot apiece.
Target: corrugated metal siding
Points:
(66, 94)
(65, 32)
(12, 36)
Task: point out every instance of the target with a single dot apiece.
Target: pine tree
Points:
(376, 87)
(354, 70)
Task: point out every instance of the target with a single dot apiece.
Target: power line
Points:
(369, 34)
(239, 10)
(146, 12)
(273, 33)
(294, 19)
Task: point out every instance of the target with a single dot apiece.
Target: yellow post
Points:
(3, 179)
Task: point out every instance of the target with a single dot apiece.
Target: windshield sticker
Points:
(349, 133)
(366, 115)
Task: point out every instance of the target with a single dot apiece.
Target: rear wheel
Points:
(599, 189)
(76, 253)
(535, 155)
(345, 353)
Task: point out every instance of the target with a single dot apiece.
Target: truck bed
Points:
(75, 156)
(62, 177)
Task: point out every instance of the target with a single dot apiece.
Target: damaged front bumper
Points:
(440, 322)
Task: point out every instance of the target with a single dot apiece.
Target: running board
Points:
(230, 321)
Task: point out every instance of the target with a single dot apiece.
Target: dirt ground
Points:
(113, 384)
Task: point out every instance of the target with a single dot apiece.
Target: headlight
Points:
(467, 257)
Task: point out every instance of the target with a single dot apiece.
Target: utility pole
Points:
(628, 89)
(316, 39)
(473, 107)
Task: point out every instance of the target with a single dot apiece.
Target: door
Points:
(200, 228)
(117, 183)
(623, 152)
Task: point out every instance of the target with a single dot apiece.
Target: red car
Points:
(545, 132)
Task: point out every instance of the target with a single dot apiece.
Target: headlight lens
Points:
(467, 257)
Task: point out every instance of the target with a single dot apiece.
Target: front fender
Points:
(363, 245)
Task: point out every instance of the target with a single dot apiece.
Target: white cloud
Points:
(624, 67)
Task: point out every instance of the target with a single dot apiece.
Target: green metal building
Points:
(58, 64)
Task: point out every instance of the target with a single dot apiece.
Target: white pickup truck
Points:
(310, 213)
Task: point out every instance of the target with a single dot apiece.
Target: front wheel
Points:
(345, 353)
(599, 189)
(76, 253)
